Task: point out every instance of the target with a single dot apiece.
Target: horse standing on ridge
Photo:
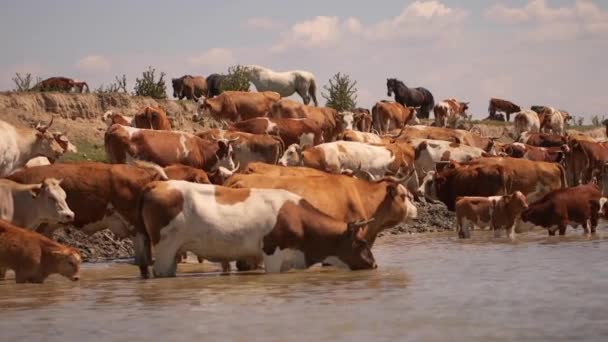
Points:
(411, 97)
(285, 83)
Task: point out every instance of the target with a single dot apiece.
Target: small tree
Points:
(120, 85)
(149, 86)
(23, 82)
(596, 120)
(580, 120)
(341, 93)
(237, 79)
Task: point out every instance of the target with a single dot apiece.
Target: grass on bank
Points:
(87, 151)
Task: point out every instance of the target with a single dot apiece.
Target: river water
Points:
(426, 288)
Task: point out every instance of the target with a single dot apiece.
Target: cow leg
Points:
(552, 231)
(165, 254)
(586, 227)
(226, 266)
(464, 231)
(562, 229)
(2, 273)
(510, 230)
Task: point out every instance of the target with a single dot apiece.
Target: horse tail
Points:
(312, 91)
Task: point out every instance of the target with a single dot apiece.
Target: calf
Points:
(30, 205)
(559, 208)
(34, 257)
(496, 212)
(276, 224)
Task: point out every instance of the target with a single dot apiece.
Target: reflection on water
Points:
(427, 287)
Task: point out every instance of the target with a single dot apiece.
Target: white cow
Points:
(429, 152)
(555, 121)
(29, 205)
(18, 145)
(223, 224)
(526, 121)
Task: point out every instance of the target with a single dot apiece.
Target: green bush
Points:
(149, 86)
(237, 79)
(341, 93)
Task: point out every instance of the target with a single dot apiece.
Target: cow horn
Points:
(398, 134)
(43, 129)
(368, 175)
(236, 167)
(233, 139)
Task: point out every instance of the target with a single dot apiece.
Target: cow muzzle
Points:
(66, 216)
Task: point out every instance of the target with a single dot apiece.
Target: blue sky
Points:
(528, 51)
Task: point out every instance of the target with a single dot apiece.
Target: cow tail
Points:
(562, 171)
(281, 148)
(312, 91)
(141, 242)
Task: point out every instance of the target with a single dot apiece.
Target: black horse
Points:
(411, 97)
(214, 84)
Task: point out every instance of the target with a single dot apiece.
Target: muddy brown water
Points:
(428, 287)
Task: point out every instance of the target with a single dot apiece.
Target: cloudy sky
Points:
(529, 51)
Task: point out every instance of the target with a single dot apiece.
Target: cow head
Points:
(397, 206)
(603, 208)
(45, 144)
(220, 175)
(225, 152)
(347, 120)
(51, 202)
(353, 250)
(431, 182)
(292, 156)
(65, 143)
(210, 106)
(68, 262)
(516, 202)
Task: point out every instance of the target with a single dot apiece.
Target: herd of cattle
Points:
(289, 185)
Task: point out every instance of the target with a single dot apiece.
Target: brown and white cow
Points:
(29, 205)
(236, 106)
(342, 197)
(152, 118)
(110, 118)
(104, 195)
(496, 212)
(460, 136)
(248, 147)
(277, 170)
(389, 115)
(377, 160)
(449, 112)
(326, 118)
(123, 143)
(546, 154)
(493, 176)
(553, 120)
(292, 131)
(63, 141)
(18, 145)
(586, 160)
(573, 206)
(34, 257)
(429, 152)
(526, 121)
(504, 106)
(280, 226)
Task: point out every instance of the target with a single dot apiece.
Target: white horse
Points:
(285, 83)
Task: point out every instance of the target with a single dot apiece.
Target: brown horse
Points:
(61, 84)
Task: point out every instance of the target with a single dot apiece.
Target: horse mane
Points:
(398, 81)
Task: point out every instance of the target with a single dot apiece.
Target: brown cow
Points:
(562, 207)
(236, 106)
(152, 118)
(123, 144)
(363, 120)
(342, 197)
(104, 195)
(459, 136)
(326, 118)
(248, 147)
(34, 257)
(496, 212)
(292, 131)
(190, 87)
(586, 160)
(504, 106)
(389, 115)
(543, 139)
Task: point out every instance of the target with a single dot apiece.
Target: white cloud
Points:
(261, 23)
(93, 64)
(214, 57)
(419, 20)
(582, 19)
